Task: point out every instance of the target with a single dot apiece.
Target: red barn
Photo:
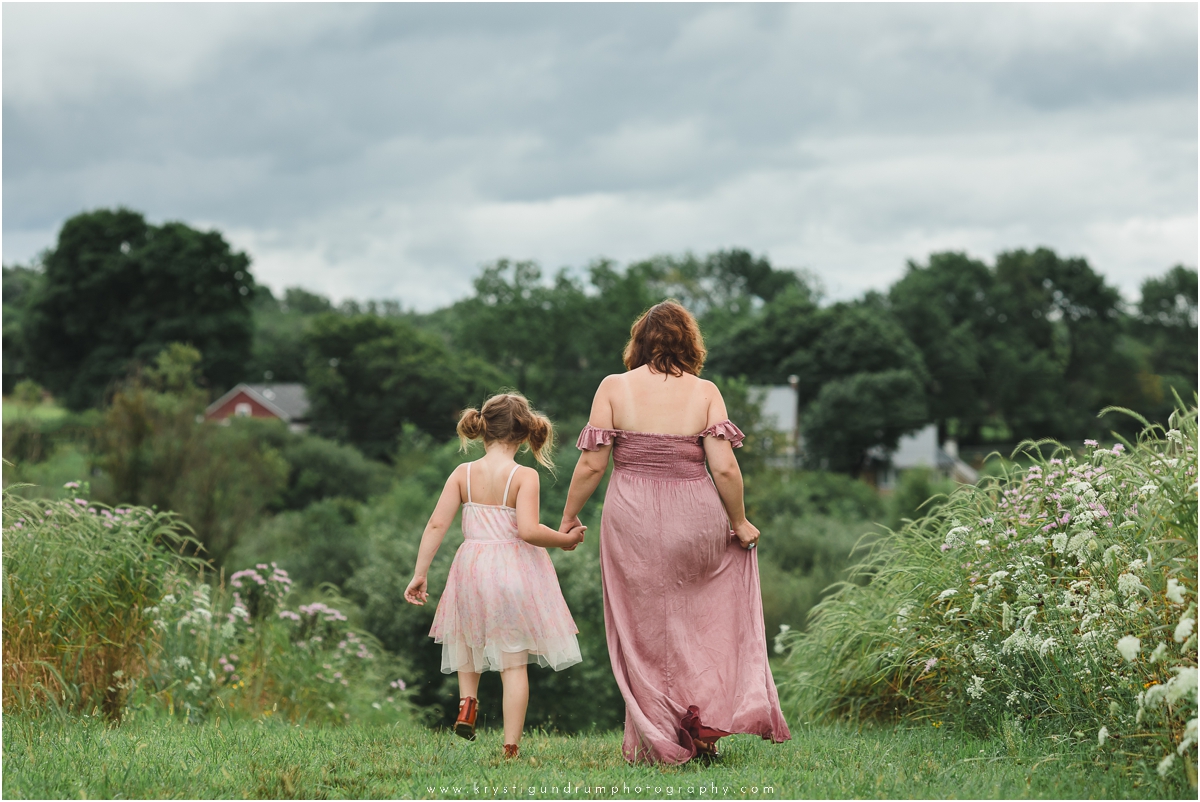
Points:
(287, 402)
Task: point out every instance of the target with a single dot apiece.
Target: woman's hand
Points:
(577, 533)
(569, 523)
(416, 592)
(747, 533)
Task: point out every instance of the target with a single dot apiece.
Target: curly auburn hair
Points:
(508, 418)
(667, 338)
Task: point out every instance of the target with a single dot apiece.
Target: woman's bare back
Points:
(643, 401)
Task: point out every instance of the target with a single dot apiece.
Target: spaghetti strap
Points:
(468, 483)
(508, 484)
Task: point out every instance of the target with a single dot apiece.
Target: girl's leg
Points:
(516, 700)
(468, 684)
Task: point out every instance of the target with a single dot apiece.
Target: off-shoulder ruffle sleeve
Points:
(592, 439)
(726, 431)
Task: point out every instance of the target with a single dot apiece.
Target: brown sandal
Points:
(510, 751)
(464, 725)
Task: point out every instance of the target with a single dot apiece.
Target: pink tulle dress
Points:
(682, 603)
(502, 605)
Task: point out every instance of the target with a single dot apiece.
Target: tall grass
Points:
(1058, 598)
(78, 578)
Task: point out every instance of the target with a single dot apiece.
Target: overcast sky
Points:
(387, 151)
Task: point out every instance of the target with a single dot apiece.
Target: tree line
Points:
(1033, 345)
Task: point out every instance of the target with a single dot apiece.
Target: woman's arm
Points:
(417, 591)
(727, 476)
(529, 528)
(590, 467)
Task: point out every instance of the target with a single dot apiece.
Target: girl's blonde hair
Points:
(508, 418)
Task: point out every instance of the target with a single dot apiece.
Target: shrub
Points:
(78, 579)
(239, 650)
(321, 543)
(1061, 596)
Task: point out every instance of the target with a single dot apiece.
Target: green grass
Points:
(53, 758)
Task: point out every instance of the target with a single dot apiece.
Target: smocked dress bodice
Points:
(666, 457)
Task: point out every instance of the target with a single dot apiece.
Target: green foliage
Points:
(78, 579)
(917, 495)
(280, 326)
(1061, 598)
(28, 393)
(239, 650)
(861, 379)
(20, 284)
(158, 452)
(851, 415)
(369, 375)
(772, 494)
(321, 543)
(116, 290)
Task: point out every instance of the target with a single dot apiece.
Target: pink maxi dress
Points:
(682, 603)
(502, 605)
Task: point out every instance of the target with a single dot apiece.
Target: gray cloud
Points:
(388, 150)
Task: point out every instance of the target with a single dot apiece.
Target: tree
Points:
(1166, 321)
(20, 284)
(116, 290)
(861, 379)
(220, 479)
(280, 325)
(369, 375)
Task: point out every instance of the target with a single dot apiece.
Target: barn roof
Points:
(288, 401)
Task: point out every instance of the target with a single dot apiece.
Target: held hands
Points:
(575, 532)
(747, 534)
(416, 592)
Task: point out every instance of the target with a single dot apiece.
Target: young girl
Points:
(502, 607)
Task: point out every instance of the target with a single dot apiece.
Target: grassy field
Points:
(48, 758)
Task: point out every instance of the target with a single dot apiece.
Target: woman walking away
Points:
(682, 604)
(502, 607)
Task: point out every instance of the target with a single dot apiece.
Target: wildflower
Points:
(981, 542)
(1189, 737)
(1175, 591)
(390, 699)
(1006, 619)
(288, 614)
(1117, 449)
(1182, 684)
(1159, 651)
(1147, 489)
(228, 668)
(975, 603)
(1130, 585)
(956, 536)
(947, 593)
(996, 577)
(1184, 628)
(183, 662)
(234, 678)
(376, 705)
(1129, 646)
(929, 664)
(1059, 542)
(1090, 443)
(1165, 765)
(71, 485)
(975, 689)
(1102, 736)
(1175, 436)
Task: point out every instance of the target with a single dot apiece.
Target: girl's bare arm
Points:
(443, 515)
(529, 528)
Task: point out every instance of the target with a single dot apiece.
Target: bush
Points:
(1059, 597)
(239, 650)
(918, 494)
(78, 578)
(320, 469)
(775, 493)
(321, 543)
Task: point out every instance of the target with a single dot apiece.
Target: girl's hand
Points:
(577, 533)
(416, 592)
(747, 533)
(569, 523)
